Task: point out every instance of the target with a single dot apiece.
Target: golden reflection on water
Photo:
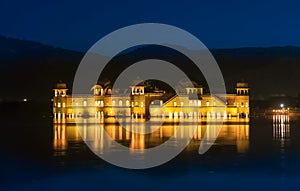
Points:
(281, 127)
(59, 139)
(64, 134)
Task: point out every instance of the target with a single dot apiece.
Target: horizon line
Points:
(83, 51)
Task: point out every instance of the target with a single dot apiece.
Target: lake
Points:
(39, 155)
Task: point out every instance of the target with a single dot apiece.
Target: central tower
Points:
(138, 101)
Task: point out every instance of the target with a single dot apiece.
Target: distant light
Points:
(281, 105)
(25, 100)
(51, 99)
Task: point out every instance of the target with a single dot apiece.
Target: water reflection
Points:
(281, 127)
(236, 135)
(60, 140)
(281, 134)
(67, 134)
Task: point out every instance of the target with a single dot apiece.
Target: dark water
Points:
(38, 155)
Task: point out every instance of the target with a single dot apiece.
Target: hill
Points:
(30, 69)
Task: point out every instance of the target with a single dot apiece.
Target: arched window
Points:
(207, 103)
(195, 103)
(175, 114)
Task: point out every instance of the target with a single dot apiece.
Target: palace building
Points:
(188, 103)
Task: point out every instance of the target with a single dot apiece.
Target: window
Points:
(175, 104)
(97, 103)
(127, 103)
(199, 103)
(207, 103)
(120, 103)
(64, 104)
(84, 103)
(213, 114)
(208, 115)
(113, 102)
(58, 104)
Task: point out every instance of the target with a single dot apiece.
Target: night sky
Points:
(218, 24)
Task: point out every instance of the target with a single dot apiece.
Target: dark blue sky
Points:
(218, 24)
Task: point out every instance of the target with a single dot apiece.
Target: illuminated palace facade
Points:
(103, 103)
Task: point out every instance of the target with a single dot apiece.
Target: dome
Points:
(61, 85)
(242, 85)
(97, 86)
